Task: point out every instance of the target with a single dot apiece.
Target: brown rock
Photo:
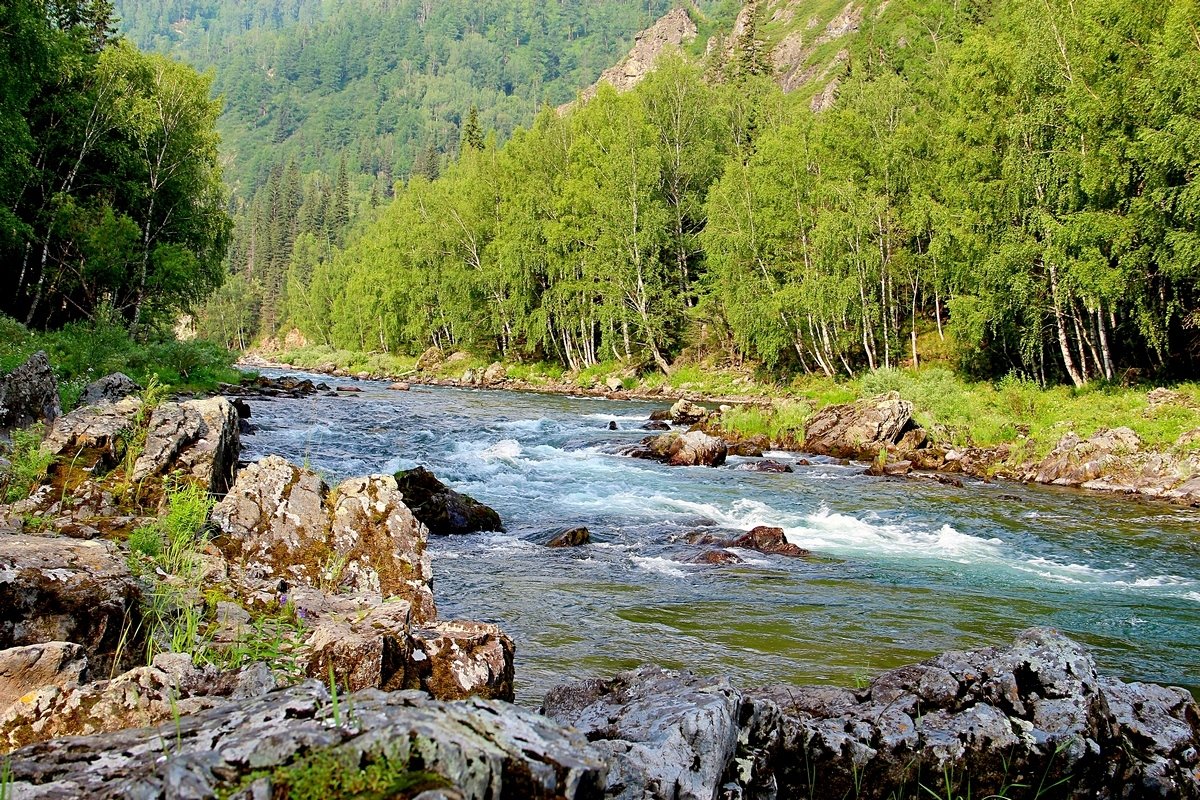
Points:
(572, 537)
(750, 448)
(768, 540)
(430, 359)
(691, 449)
(66, 590)
(858, 429)
(765, 466)
(495, 373)
(24, 669)
(443, 510)
(717, 557)
(685, 412)
(400, 386)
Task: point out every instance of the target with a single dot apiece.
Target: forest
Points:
(112, 204)
(1018, 178)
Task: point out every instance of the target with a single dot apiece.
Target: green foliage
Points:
(81, 352)
(28, 464)
(110, 188)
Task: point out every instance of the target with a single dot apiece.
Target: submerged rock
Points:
(766, 465)
(656, 425)
(443, 510)
(692, 449)
(29, 394)
(571, 537)
(762, 539)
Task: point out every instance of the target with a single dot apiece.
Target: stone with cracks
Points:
(487, 750)
(692, 449)
(56, 589)
(859, 429)
(25, 669)
(197, 437)
(283, 521)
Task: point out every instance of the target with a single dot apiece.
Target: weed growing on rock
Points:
(326, 774)
(28, 464)
(6, 779)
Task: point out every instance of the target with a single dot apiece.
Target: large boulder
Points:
(64, 590)
(93, 438)
(692, 449)
(109, 389)
(282, 521)
(443, 510)
(859, 429)
(487, 750)
(29, 394)
(199, 438)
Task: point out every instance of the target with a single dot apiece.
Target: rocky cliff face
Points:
(668, 34)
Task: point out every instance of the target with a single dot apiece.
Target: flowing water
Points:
(907, 568)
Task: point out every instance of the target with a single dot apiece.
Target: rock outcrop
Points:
(283, 521)
(994, 722)
(668, 34)
(29, 394)
(1113, 460)
(859, 429)
(256, 748)
(762, 539)
(443, 510)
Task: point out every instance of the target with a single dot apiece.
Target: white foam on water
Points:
(832, 532)
(527, 425)
(661, 566)
(1193, 596)
(618, 417)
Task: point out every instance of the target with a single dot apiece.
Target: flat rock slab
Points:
(486, 749)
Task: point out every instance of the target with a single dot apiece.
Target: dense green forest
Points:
(329, 104)
(1019, 177)
(111, 198)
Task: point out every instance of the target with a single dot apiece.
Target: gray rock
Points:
(109, 389)
(685, 412)
(282, 521)
(487, 750)
(198, 437)
(65, 590)
(665, 734)
(29, 394)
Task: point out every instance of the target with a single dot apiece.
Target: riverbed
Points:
(905, 568)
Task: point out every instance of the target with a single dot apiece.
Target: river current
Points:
(906, 568)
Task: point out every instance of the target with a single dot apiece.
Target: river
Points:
(907, 568)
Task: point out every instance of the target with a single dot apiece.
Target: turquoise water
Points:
(906, 568)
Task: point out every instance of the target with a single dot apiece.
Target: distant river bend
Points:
(910, 568)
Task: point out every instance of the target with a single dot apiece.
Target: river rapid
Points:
(906, 568)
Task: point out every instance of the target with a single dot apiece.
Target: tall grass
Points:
(27, 467)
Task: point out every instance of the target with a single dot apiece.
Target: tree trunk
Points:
(1063, 342)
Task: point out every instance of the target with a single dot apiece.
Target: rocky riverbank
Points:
(1030, 720)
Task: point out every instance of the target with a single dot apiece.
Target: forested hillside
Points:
(1014, 182)
(329, 104)
(111, 200)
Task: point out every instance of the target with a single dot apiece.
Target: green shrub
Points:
(28, 464)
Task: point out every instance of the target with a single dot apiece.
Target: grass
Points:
(314, 356)
(28, 465)
(169, 548)
(82, 352)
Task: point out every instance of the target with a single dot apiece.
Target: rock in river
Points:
(692, 449)
(443, 510)
(859, 429)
